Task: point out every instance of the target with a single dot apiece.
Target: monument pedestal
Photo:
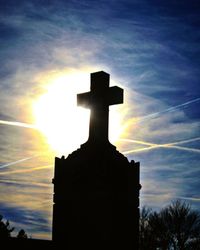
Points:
(96, 196)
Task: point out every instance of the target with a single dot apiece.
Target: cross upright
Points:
(98, 101)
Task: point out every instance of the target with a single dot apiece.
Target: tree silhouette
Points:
(176, 227)
(184, 224)
(5, 229)
(147, 239)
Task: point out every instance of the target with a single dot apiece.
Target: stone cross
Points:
(98, 101)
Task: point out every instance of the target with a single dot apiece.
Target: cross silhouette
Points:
(98, 100)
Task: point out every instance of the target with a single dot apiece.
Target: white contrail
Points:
(139, 150)
(185, 141)
(25, 170)
(190, 198)
(18, 124)
(138, 142)
(171, 109)
(15, 162)
(167, 145)
(194, 150)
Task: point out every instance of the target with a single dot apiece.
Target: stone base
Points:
(96, 196)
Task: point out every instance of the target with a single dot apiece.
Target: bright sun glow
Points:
(57, 116)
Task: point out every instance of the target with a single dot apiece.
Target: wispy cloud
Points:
(20, 216)
(24, 183)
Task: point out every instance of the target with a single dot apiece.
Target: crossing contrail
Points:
(167, 145)
(171, 109)
(138, 142)
(18, 124)
(154, 144)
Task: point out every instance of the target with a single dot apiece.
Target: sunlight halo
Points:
(57, 116)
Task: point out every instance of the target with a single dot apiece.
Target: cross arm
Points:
(84, 99)
(115, 95)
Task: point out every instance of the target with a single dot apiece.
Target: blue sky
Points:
(150, 48)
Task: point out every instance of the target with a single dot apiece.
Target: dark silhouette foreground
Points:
(176, 227)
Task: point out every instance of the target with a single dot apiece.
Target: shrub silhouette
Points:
(6, 230)
(22, 234)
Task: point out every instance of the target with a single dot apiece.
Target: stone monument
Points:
(96, 188)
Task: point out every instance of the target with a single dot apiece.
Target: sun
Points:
(57, 116)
